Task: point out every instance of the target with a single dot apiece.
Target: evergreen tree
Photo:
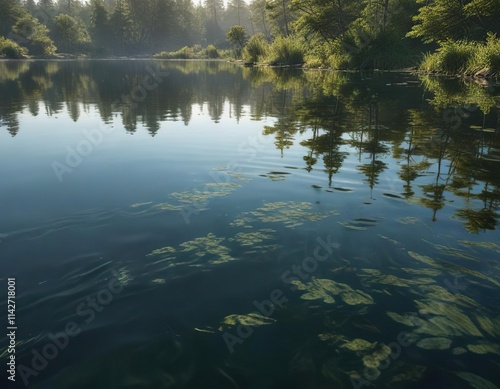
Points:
(99, 23)
(122, 25)
(69, 34)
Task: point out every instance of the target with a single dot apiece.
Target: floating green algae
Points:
(212, 189)
(318, 289)
(453, 252)
(324, 289)
(137, 205)
(424, 259)
(208, 246)
(251, 238)
(423, 272)
(450, 316)
(434, 343)
(484, 245)
(409, 373)
(331, 338)
(359, 345)
(373, 272)
(451, 267)
(168, 207)
(484, 348)
(242, 222)
(491, 327)
(252, 319)
(436, 292)
(377, 357)
(163, 251)
(411, 320)
(476, 381)
(290, 213)
(458, 351)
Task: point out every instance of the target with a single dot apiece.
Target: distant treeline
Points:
(340, 34)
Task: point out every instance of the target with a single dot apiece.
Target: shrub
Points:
(451, 58)
(183, 53)
(486, 58)
(11, 49)
(286, 51)
(256, 48)
(454, 56)
(211, 52)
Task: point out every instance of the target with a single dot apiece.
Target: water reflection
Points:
(441, 135)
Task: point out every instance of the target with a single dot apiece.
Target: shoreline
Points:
(481, 79)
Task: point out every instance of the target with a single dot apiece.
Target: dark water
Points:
(150, 211)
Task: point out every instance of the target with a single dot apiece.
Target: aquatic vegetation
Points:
(252, 319)
(434, 343)
(290, 213)
(491, 327)
(484, 245)
(251, 238)
(450, 316)
(458, 351)
(124, 276)
(424, 259)
(377, 357)
(318, 290)
(168, 207)
(453, 252)
(409, 372)
(436, 292)
(390, 279)
(242, 222)
(208, 246)
(220, 189)
(324, 289)
(359, 345)
(163, 250)
(331, 338)
(239, 176)
(373, 272)
(484, 348)
(423, 272)
(409, 320)
(476, 381)
(137, 205)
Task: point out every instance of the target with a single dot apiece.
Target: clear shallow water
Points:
(181, 211)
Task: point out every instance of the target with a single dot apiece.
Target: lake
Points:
(206, 225)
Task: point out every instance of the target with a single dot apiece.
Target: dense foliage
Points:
(338, 34)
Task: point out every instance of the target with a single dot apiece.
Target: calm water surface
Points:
(151, 210)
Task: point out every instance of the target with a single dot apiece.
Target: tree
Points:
(259, 17)
(237, 36)
(213, 11)
(69, 34)
(278, 12)
(122, 25)
(99, 19)
(10, 12)
(328, 20)
(441, 20)
(36, 36)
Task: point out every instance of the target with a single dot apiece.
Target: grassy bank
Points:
(471, 58)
